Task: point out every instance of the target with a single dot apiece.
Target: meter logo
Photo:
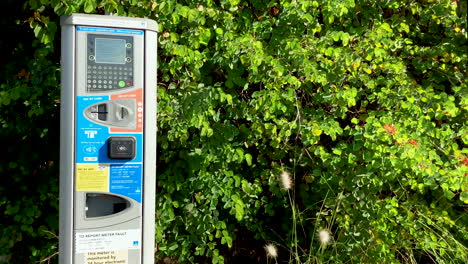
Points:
(90, 133)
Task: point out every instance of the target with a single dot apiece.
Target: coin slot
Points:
(122, 113)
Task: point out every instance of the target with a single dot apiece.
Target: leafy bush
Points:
(362, 103)
(29, 95)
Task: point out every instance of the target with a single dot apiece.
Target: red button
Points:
(129, 83)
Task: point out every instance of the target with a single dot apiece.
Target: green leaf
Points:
(205, 36)
(240, 154)
(345, 38)
(387, 27)
(90, 6)
(239, 209)
(336, 35)
(404, 27)
(464, 197)
(248, 158)
(173, 247)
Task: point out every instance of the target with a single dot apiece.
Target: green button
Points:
(121, 83)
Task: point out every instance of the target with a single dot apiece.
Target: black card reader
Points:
(121, 148)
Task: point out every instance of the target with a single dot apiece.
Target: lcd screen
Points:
(110, 51)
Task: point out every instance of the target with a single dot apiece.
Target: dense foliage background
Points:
(364, 104)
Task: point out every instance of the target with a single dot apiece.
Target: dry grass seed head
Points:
(324, 236)
(285, 180)
(271, 251)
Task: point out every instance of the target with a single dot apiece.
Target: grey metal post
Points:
(107, 140)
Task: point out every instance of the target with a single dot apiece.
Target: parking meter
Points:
(107, 140)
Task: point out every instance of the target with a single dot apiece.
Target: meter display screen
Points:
(110, 51)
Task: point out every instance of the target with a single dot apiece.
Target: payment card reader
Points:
(107, 140)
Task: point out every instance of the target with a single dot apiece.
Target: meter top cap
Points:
(109, 21)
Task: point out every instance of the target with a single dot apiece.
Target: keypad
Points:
(102, 78)
(107, 76)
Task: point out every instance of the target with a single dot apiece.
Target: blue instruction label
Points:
(125, 179)
(111, 30)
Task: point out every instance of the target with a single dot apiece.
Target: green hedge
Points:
(364, 104)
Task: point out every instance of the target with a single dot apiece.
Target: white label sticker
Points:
(107, 257)
(107, 241)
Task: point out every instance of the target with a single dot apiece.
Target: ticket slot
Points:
(100, 205)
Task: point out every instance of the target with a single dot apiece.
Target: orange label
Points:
(138, 95)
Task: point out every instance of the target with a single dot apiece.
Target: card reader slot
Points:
(102, 112)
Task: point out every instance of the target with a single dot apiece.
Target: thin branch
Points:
(48, 258)
(50, 233)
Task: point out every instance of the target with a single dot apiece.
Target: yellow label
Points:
(107, 257)
(92, 177)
